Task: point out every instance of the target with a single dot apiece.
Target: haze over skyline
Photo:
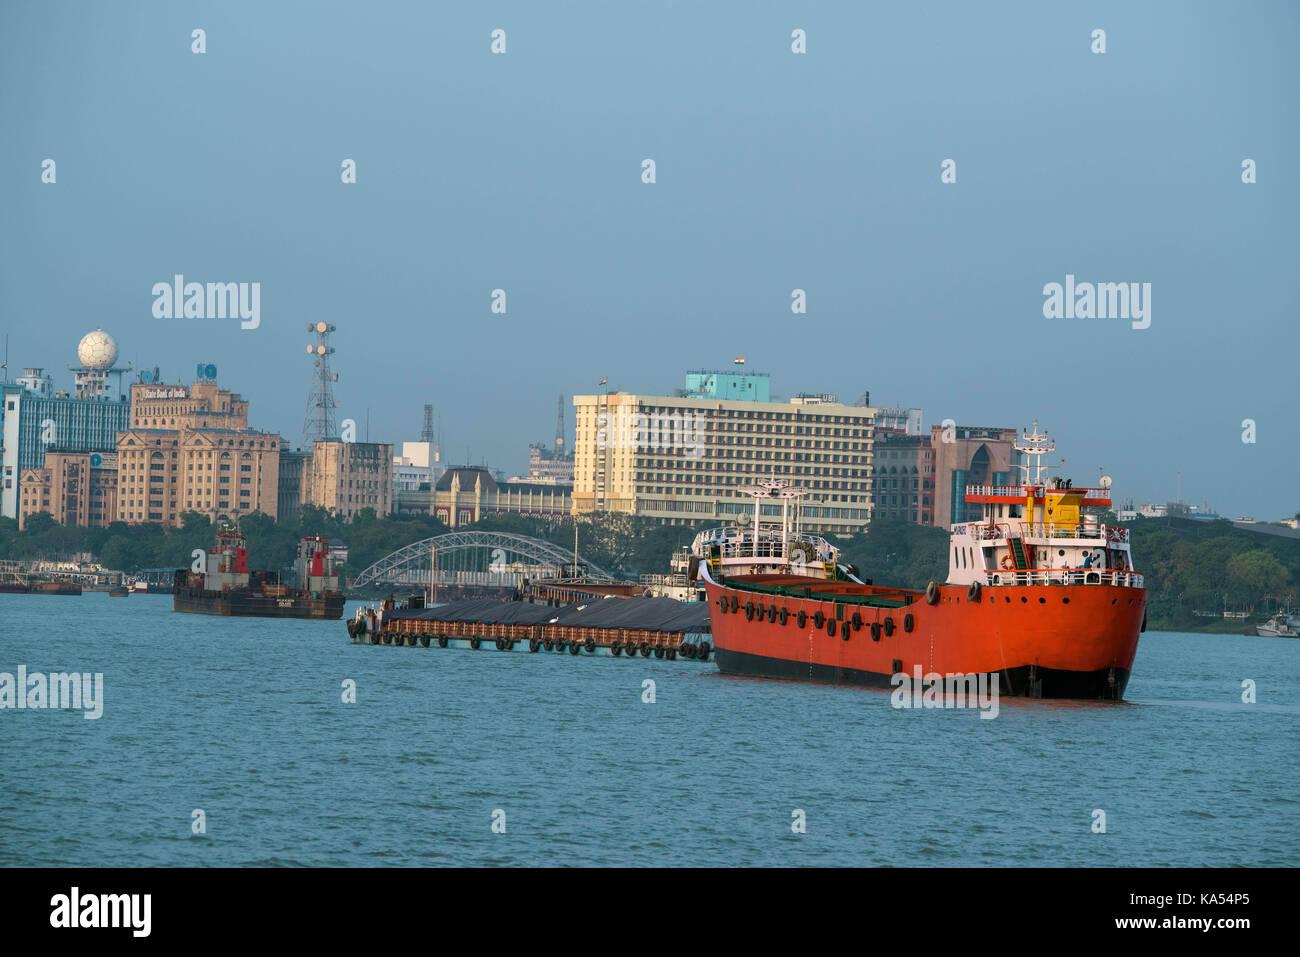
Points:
(774, 172)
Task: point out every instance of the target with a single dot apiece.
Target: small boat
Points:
(119, 591)
(1282, 625)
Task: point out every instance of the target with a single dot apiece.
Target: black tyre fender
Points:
(442, 641)
(735, 603)
(857, 621)
(875, 631)
(771, 614)
(846, 629)
(973, 592)
(819, 619)
(932, 593)
(802, 619)
(783, 615)
(889, 627)
(574, 647)
(908, 622)
(831, 627)
(475, 642)
(591, 646)
(749, 611)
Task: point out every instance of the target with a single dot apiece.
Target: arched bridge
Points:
(475, 559)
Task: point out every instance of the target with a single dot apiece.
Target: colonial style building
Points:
(75, 488)
(464, 495)
(189, 448)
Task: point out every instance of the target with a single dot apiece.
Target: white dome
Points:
(97, 350)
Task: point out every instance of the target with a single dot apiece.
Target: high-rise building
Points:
(682, 459)
(903, 486)
(34, 416)
(345, 477)
(969, 455)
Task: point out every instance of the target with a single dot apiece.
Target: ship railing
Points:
(677, 580)
(989, 531)
(1119, 577)
(773, 549)
(1024, 491)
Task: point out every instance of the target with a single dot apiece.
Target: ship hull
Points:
(1043, 641)
(329, 607)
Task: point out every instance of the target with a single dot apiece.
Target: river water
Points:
(243, 720)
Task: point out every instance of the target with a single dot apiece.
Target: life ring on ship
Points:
(749, 611)
(932, 593)
(783, 615)
(972, 592)
(1006, 561)
(802, 618)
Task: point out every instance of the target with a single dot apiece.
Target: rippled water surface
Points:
(243, 719)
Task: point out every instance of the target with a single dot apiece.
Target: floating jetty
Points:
(662, 627)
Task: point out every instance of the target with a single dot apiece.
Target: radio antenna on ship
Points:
(1033, 446)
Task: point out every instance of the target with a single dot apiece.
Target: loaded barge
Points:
(227, 587)
(659, 627)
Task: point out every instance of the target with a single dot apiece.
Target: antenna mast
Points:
(1034, 446)
(321, 422)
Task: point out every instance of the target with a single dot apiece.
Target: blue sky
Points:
(775, 171)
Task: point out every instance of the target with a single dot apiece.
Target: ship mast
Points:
(1034, 446)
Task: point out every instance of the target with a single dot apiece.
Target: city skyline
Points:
(775, 173)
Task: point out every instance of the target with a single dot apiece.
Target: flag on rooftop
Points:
(739, 360)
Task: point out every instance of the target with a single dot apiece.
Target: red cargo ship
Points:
(1038, 592)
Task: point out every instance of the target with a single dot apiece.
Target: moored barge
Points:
(227, 587)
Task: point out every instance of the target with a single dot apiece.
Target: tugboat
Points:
(227, 587)
(1038, 592)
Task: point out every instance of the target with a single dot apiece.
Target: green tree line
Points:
(1189, 565)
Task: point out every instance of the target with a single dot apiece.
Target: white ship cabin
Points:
(1039, 533)
(768, 543)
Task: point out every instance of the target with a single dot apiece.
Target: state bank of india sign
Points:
(167, 393)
